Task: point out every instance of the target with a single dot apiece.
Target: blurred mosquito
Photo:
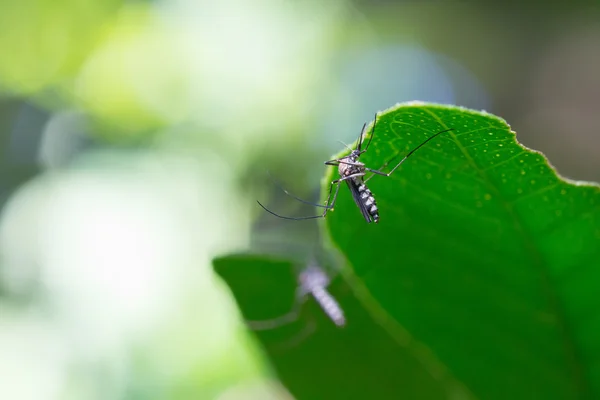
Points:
(312, 280)
(352, 171)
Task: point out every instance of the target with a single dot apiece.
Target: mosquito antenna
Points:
(345, 145)
(372, 133)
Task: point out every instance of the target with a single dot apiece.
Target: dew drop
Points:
(497, 154)
(533, 181)
(519, 191)
(490, 133)
(563, 192)
(522, 172)
(487, 196)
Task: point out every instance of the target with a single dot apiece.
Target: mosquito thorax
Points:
(350, 165)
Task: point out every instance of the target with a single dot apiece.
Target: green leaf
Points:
(482, 253)
(481, 279)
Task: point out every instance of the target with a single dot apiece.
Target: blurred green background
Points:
(136, 137)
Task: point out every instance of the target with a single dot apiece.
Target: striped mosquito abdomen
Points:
(368, 200)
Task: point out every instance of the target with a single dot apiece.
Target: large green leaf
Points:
(482, 253)
(480, 280)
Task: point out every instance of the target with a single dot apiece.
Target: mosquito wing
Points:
(358, 200)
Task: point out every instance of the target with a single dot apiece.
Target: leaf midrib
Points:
(537, 258)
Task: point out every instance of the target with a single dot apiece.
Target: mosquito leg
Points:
(274, 323)
(293, 316)
(304, 201)
(288, 345)
(377, 172)
(329, 205)
(356, 175)
(345, 162)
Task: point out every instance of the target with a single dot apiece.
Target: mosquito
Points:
(312, 280)
(352, 171)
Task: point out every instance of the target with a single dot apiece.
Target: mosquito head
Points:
(354, 155)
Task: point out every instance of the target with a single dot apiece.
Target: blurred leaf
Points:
(317, 360)
(482, 253)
